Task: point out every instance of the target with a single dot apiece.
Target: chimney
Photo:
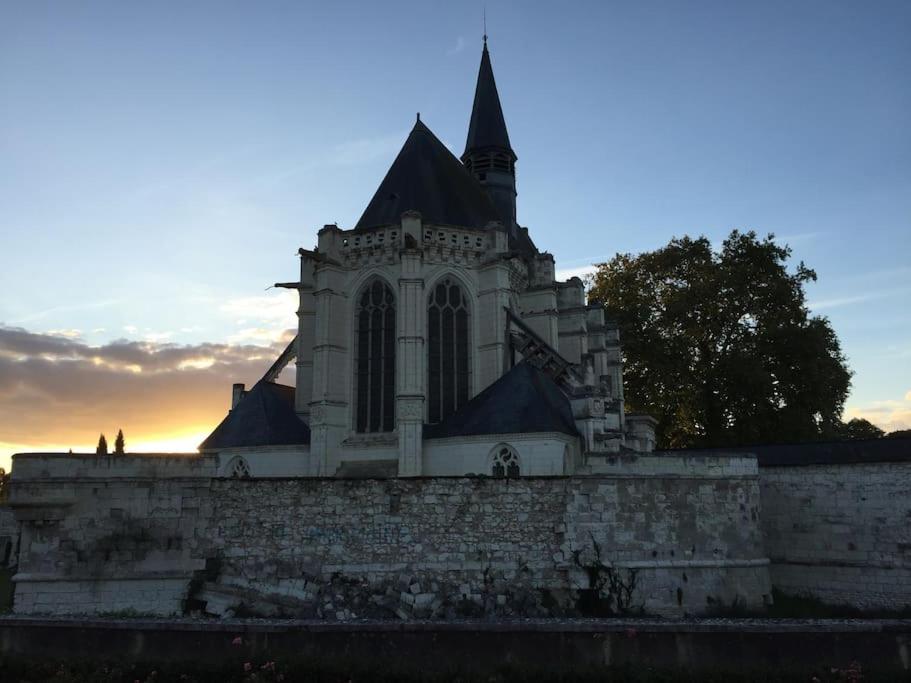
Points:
(237, 393)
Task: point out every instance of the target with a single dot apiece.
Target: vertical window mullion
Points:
(448, 350)
(375, 347)
(440, 401)
(448, 373)
(390, 342)
(381, 359)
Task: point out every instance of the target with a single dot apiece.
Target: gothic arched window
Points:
(375, 359)
(238, 469)
(447, 351)
(505, 462)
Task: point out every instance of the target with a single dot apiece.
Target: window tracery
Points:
(239, 469)
(505, 463)
(375, 359)
(448, 367)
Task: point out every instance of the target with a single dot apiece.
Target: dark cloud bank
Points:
(59, 390)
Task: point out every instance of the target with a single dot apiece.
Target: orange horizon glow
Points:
(179, 440)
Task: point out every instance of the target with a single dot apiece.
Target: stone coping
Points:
(642, 625)
(856, 452)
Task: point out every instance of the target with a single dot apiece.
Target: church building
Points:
(434, 343)
(434, 338)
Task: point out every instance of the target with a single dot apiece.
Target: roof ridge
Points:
(427, 177)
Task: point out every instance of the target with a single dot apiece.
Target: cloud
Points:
(278, 305)
(838, 302)
(157, 336)
(351, 153)
(580, 272)
(266, 319)
(365, 150)
(458, 47)
(261, 336)
(69, 334)
(90, 305)
(62, 391)
(796, 238)
(889, 415)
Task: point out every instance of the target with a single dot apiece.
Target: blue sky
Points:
(160, 163)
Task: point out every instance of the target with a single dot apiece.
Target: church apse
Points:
(435, 296)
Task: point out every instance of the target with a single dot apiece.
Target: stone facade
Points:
(159, 535)
(9, 537)
(436, 221)
(841, 533)
(163, 534)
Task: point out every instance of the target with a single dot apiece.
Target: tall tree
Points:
(859, 428)
(102, 448)
(720, 346)
(119, 443)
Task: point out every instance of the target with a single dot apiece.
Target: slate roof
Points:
(524, 400)
(426, 177)
(487, 127)
(265, 416)
(896, 449)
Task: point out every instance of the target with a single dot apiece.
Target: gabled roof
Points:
(426, 177)
(524, 400)
(487, 127)
(265, 416)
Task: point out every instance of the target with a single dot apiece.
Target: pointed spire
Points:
(488, 155)
(487, 128)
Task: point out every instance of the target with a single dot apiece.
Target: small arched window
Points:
(375, 359)
(448, 373)
(239, 469)
(505, 463)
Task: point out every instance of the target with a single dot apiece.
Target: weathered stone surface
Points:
(334, 549)
(841, 533)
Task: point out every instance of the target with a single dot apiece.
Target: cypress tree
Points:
(119, 443)
(102, 448)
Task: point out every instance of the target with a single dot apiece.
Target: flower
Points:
(248, 667)
(237, 641)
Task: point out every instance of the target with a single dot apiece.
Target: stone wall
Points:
(107, 534)
(397, 548)
(840, 532)
(9, 536)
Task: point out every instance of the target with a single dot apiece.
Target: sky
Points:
(161, 163)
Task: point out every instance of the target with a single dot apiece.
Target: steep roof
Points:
(487, 127)
(265, 416)
(426, 177)
(523, 400)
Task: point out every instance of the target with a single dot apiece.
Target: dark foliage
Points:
(102, 447)
(720, 346)
(859, 428)
(119, 443)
